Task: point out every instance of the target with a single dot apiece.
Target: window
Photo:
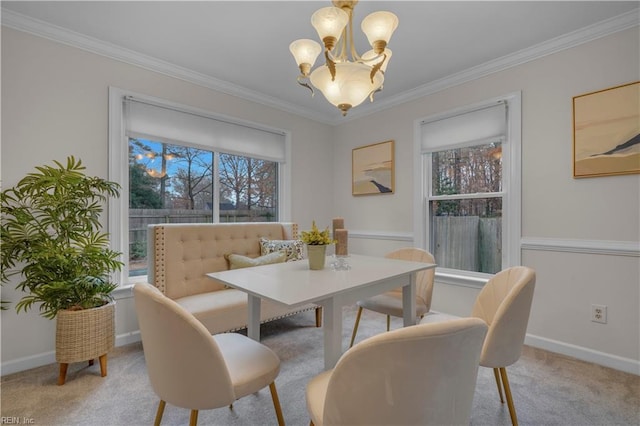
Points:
(469, 189)
(187, 166)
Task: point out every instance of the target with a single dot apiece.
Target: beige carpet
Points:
(548, 389)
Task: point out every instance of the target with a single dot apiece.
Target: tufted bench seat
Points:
(181, 254)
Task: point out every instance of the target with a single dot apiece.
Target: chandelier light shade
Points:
(351, 85)
(346, 79)
(305, 52)
(378, 27)
(329, 22)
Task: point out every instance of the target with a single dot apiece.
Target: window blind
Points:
(166, 124)
(464, 129)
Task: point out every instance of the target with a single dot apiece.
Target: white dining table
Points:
(294, 284)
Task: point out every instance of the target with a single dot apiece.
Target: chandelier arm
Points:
(354, 54)
(371, 95)
(367, 61)
(331, 65)
(376, 68)
(301, 82)
(334, 58)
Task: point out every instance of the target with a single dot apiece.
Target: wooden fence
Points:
(469, 243)
(140, 219)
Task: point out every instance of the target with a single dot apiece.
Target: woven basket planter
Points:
(85, 335)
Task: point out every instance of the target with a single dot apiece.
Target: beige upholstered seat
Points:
(390, 303)
(419, 375)
(504, 303)
(190, 368)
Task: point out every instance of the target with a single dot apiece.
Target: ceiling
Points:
(241, 47)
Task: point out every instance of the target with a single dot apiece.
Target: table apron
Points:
(353, 295)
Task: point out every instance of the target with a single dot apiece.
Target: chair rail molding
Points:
(382, 235)
(603, 247)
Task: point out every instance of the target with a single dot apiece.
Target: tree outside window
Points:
(173, 183)
(466, 208)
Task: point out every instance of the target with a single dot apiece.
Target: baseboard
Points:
(127, 338)
(27, 363)
(627, 365)
(46, 358)
(585, 354)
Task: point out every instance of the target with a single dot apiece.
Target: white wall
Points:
(55, 100)
(567, 214)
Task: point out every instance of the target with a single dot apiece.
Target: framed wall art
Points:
(373, 169)
(606, 132)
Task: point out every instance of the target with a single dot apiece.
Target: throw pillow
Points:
(237, 261)
(292, 248)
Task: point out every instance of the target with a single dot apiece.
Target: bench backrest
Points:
(180, 254)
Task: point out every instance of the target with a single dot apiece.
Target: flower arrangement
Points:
(315, 237)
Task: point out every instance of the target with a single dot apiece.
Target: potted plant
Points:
(52, 239)
(316, 242)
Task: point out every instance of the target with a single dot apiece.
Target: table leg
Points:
(253, 325)
(332, 323)
(409, 302)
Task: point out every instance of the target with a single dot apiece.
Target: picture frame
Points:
(373, 169)
(606, 132)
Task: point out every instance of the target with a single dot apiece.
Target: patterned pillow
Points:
(292, 248)
(237, 261)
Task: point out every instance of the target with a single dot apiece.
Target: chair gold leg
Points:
(276, 403)
(319, 316)
(193, 419)
(388, 322)
(159, 413)
(496, 373)
(507, 392)
(355, 327)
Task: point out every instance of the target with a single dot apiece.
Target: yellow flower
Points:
(315, 237)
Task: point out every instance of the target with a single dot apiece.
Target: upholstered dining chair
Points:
(190, 368)
(424, 374)
(390, 303)
(504, 303)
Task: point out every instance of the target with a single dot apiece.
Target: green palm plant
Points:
(51, 237)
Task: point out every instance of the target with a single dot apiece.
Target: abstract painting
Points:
(606, 132)
(373, 169)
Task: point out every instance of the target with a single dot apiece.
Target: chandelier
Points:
(346, 79)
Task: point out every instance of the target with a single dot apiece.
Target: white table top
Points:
(294, 284)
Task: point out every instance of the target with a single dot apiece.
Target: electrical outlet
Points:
(599, 313)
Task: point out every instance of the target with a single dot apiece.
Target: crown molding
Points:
(55, 33)
(62, 35)
(575, 38)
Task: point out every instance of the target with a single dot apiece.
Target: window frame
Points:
(511, 189)
(118, 170)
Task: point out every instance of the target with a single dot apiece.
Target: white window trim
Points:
(512, 188)
(118, 213)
